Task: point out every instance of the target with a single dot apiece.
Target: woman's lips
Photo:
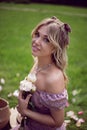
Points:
(35, 48)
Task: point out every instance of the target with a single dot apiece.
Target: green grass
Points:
(16, 25)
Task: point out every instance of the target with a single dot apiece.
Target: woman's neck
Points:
(41, 64)
(43, 61)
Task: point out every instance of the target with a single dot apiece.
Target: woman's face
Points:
(41, 45)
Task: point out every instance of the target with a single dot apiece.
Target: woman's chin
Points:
(34, 54)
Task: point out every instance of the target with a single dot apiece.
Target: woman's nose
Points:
(37, 41)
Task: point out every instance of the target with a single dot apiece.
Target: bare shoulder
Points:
(55, 81)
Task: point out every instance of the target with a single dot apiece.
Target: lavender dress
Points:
(43, 102)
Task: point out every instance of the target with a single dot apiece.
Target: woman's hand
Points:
(22, 103)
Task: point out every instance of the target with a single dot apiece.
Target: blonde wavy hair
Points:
(58, 35)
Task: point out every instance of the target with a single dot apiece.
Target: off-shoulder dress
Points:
(43, 102)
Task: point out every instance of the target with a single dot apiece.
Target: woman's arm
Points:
(56, 118)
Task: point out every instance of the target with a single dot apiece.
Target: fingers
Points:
(23, 103)
(28, 97)
(20, 94)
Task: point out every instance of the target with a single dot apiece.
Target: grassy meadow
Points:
(16, 24)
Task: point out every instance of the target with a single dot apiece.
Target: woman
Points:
(49, 43)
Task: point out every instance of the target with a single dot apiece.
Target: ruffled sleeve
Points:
(54, 101)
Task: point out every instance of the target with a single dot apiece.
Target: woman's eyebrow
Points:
(45, 35)
(42, 34)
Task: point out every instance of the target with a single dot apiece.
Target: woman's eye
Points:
(36, 34)
(46, 40)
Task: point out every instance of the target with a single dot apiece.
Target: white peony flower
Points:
(16, 93)
(2, 81)
(73, 100)
(74, 92)
(67, 121)
(70, 113)
(32, 77)
(25, 85)
(74, 117)
(17, 74)
(33, 88)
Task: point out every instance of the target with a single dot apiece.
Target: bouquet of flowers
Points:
(27, 85)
